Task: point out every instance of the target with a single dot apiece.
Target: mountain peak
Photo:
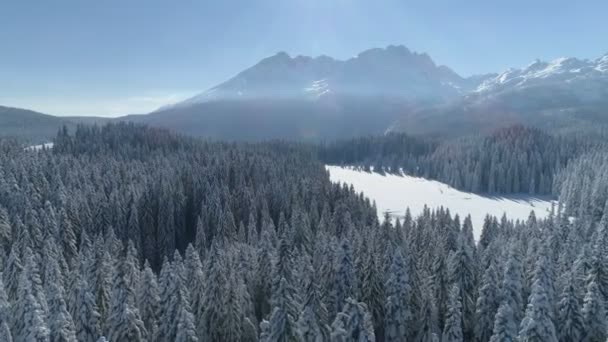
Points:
(393, 71)
(279, 57)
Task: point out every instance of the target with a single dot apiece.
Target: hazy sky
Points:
(112, 57)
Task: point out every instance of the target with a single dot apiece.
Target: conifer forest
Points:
(127, 233)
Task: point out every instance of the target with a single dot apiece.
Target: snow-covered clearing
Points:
(39, 147)
(393, 194)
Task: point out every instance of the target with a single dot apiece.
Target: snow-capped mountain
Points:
(588, 78)
(562, 94)
(394, 71)
(389, 89)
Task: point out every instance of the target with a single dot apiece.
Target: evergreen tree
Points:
(372, 293)
(505, 324)
(452, 331)
(537, 324)
(312, 326)
(85, 314)
(149, 299)
(512, 283)
(186, 330)
(5, 312)
(174, 304)
(397, 304)
(428, 327)
(487, 304)
(12, 270)
(594, 315)
(210, 313)
(6, 233)
(29, 320)
(285, 299)
(62, 328)
(461, 270)
(344, 279)
(123, 322)
(353, 323)
(570, 323)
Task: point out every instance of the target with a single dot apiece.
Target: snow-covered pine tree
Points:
(452, 331)
(427, 325)
(5, 314)
(85, 315)
(29, 318)
(174, 300)
(263, 276)
(505, 324)
(123, 322)
(62, 328)
(487, 304)
(344, 279)
(511, 291)
(594, 315)
(100, 272)
(148, 300)
(285, 299)
(372, 291)
(353, 323)
(537, 324)
(6, 233)
(312, 321)
(200, 241)
(186, 330)
(397, 304)
(462, 273)
(570, 325)
(11, 272)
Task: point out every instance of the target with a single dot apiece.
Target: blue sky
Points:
(113, 57)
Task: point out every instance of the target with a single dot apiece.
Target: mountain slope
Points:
(315, 98)
(29, 125)
(292, 119)
(391, 72)
(564, 94)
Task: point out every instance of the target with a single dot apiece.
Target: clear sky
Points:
(113, 57)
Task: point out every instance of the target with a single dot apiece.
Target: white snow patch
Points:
(393, 194)
(318, 88)
(39, 147)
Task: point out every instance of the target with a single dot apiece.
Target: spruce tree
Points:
(452, 331)
(29, 318)
(537, 324)
(85, 315)
(505, 324)
(5, 312)
(570, 325)
(594, 315)
(312, 321)
(487, 304)
(62, 328)
(149, 299)
(353, 323)
(285, 299)
(397, 304)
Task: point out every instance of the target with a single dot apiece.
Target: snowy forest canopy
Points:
(128, 233)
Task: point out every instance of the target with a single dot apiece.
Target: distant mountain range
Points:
(392, 72)
(564, 94)
(377, 91)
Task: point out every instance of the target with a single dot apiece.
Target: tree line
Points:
(515, 159)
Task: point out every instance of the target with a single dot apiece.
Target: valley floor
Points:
(394, 193)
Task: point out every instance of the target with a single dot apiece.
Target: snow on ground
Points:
(39, 147)
(393, 194)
